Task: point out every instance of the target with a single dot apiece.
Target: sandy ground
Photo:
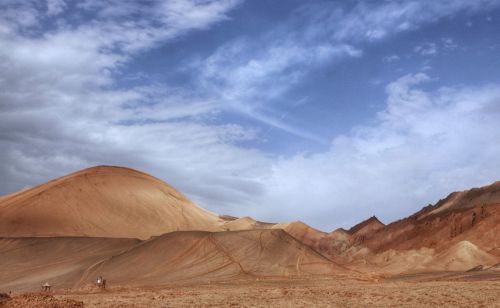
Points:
(301, 293)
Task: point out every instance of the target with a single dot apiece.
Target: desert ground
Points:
(284, 293)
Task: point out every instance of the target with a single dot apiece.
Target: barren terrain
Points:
(156, 248)
(299, 293)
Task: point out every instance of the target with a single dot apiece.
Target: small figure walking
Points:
(101, 282)
(46, 287)
(473, 218)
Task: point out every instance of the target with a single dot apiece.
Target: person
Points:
(46, 287)
(473, 218)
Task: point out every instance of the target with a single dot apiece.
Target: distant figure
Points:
(101, 282)
(483, 212)
(46, 287)
(473, 218)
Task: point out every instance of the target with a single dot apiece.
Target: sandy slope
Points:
(366, 227)
(461, 257)
(302, 232)
(245, 223)
(102, 202)
(204, 256)
(176, 257)
(27, 263)
(467, 199)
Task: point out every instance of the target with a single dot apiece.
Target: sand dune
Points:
(397, 262)
(461, 257)
(176, 257)
(302, 232)
(204, 256)
(102, 202)
(331, 245)
(26, 263)
(245, 223)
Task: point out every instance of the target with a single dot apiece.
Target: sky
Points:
(327, 112)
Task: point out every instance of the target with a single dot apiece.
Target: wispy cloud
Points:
(62, 107)
(391, 58)
(248, 75)
(427, 49)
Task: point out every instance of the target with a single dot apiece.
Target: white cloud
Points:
(55, 7)
(391, 58)
(427, 49)
(376, 20)
(244, 82)
(449, 43)
(424, 145)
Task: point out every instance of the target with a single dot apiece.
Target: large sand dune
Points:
(102, 202)
(176, 257)
(205, 256)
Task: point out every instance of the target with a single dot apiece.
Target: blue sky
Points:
(322, 111)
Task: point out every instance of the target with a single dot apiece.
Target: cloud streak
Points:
(248, 75)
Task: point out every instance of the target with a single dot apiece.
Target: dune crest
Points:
(102, 201)
(245, 223)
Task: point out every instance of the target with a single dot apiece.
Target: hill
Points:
(204, 256)
(176, 257)
(113, 202)
(245, 223)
